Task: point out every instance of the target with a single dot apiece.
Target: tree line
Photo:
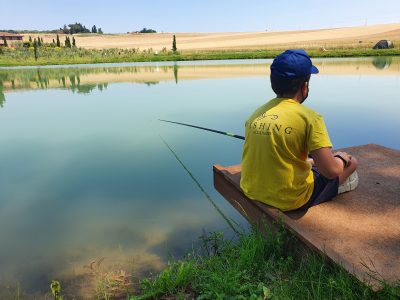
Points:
(38, 42)
(68, 43)
(70, 29)
(79, 28)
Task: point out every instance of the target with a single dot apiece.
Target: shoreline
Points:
(98, 56)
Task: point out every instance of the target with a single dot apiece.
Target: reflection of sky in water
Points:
(85, 175)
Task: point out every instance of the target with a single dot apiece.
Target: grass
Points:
(255, 267)
(48, 55)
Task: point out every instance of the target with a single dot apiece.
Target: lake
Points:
(87, 184)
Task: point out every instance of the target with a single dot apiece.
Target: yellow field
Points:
(333, 37)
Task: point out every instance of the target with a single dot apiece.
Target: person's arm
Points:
(329, 165)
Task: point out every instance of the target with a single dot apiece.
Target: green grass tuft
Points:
(255, 267)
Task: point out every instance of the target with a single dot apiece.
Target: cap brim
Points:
(314, 70)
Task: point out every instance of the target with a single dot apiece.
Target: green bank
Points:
(47, 55)
(256, 267)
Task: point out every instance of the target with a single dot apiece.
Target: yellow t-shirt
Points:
(279, 136)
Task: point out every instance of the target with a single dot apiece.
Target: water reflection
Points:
(86, 80)
(382, 62)
(84, 178)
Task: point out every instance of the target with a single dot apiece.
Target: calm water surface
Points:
(84, 174)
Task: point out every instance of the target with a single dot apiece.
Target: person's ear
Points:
(305, 86)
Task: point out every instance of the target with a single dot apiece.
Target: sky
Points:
(197, 16)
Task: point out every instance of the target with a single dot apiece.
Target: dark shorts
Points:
(324, 189)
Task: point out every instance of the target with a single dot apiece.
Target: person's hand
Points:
(345, 156)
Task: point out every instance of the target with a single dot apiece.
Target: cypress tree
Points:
(30, 39)
(174, 44)
(54, 43)
(5, 41)
(58, 41)
(42, 40)
(39, 42)
(35, 46)
(73, 42)
(67, 42)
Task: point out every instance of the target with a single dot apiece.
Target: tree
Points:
(73, 42)
(94, 29)
(39, 42)
(77, 28)
(54, 43)
(67, 42)
(42, 40)
(30, 39)
(58, 41)
(65, 30)
(99, 31)
(174, 44)
(147, 30)
(5, 41)
(35, 52)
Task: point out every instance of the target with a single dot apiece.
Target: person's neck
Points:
(296, 97)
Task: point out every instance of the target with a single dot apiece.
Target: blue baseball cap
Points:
(292, 64)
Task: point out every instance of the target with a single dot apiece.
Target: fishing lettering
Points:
(266, 128)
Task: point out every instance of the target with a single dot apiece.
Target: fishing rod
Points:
(212, 130)
(231, 225)
(208, 129)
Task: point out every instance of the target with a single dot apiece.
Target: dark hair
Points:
(287, 86)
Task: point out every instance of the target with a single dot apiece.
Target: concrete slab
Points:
(359, 230)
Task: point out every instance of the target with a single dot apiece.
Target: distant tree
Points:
(30, 39)
(99, 31)
(67, 42)
(35, 49)
(5, 41)
(147, 30)
(58, 41)
(54, 43)
(42, 40)
(39, 42)
(174, 44)
(65, 29)
(73, 42)
(94, 29)
(77, 28)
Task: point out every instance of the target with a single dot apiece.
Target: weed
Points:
(55, 287)
(111, 284)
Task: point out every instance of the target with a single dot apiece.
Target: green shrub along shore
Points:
(48, 54)
(257, 267)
